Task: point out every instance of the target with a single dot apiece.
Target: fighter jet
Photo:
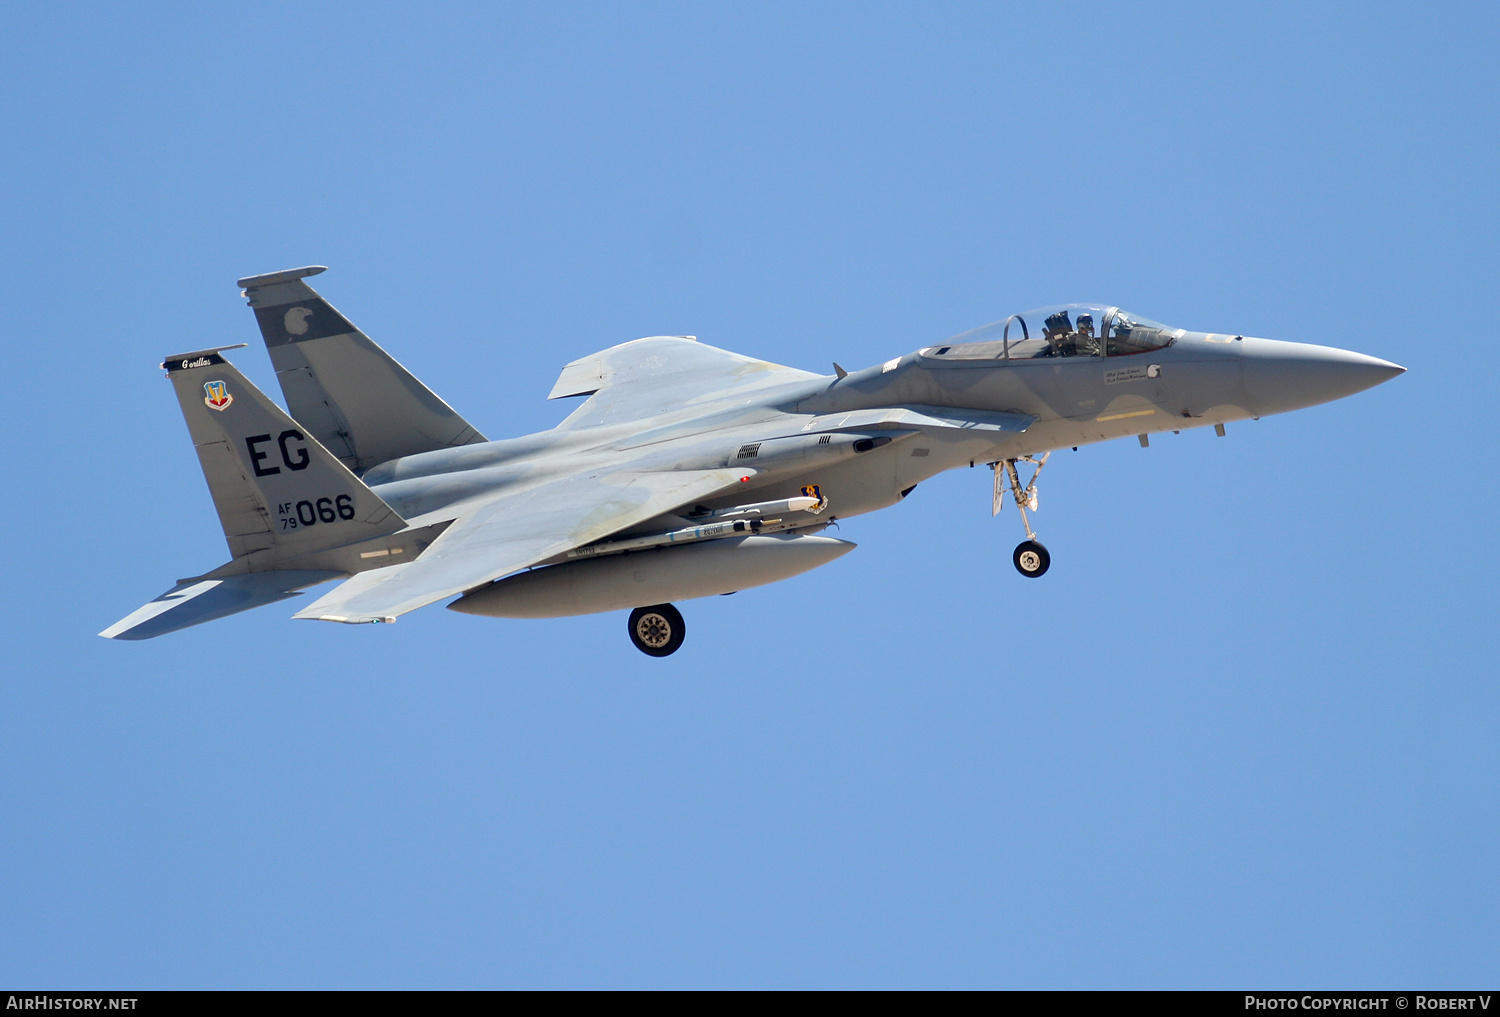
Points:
(687, 471)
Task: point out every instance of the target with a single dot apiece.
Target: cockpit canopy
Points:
(1063, 330)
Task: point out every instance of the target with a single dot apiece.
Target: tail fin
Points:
(280, 494)
(347, 392)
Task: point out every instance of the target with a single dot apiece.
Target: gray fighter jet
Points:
(687, 471)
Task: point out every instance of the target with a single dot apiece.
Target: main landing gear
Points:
(658, 630)
(1031, 558)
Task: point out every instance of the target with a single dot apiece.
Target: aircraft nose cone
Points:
(1281, 376)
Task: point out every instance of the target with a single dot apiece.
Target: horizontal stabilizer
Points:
(195, 601)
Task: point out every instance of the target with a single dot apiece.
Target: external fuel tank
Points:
(655, 576)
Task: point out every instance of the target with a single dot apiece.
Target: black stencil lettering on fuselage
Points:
(256, 455)
(304, 459)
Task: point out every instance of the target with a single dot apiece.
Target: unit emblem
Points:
(216, 395)
(295, 321)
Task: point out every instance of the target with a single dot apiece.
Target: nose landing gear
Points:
(657, 631)
(1031, 558)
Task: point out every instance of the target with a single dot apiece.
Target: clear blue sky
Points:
(1244, 733)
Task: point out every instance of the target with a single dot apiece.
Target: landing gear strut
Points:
(657, 631)
(1031, 558)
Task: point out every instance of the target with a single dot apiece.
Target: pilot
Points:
(1086, 344)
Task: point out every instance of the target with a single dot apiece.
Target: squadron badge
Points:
(815, 491)
(216, 395)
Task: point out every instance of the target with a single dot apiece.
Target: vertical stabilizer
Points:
(341, 387)
(280, 494)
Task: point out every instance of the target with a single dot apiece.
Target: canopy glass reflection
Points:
(1064, 330)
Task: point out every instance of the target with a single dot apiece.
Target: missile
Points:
(740, 519)
(768, 509)
(691, 534)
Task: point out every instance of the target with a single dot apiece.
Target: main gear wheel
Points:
(657, 631)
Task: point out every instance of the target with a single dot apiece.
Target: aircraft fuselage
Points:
(1199, 380)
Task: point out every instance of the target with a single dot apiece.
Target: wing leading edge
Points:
(511, 532)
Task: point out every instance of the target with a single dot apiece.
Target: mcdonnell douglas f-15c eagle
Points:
(687, 472)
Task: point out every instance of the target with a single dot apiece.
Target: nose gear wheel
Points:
(657, 631)
(1031, 558)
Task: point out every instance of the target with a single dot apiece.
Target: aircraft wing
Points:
(510, 532)
(662, 374)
